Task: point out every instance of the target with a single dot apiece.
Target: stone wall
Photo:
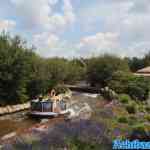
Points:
(14, 108)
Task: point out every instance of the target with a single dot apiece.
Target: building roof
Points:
(145, 70)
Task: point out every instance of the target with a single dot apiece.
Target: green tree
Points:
(14, 69)
(136, 63)
(101, 69)
(75, 71)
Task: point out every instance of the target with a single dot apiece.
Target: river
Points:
(20, 120)
(12, 122)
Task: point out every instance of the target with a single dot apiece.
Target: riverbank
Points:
(14, 108)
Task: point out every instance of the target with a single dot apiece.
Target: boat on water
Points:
(51, 107)
(47, 108)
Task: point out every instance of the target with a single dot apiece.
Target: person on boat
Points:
(40, 97)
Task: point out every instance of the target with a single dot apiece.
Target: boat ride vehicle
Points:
(47, 108)
(50, 107)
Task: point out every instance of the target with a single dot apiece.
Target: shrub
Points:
(119, 81)
(147, 117)
(124, 98)
(147, 108)
(132, 120)
(131, 109)
(141, 108)
(100, 69)
(136, 87)
(122, 119)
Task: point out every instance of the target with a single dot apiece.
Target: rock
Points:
(15, 108)
(21, 107)
(5, 110)
(9, 109)
(7, 136)
(1, 111)
(79, 110)
(26, 105)
(44, 120)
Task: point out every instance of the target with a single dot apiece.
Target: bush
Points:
(120, 81)
(141, 108)
(147, 108)
(136, 87)
(108, 94)
(132, 120)
(131, 109)
(124, 98)
(100, 69)
(122, 119)
(147, 117)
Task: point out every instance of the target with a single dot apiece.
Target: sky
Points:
(79, 28)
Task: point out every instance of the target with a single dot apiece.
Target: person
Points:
(40, 97)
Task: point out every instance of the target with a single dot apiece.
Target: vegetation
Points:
(131, 109)
(14, 69)
(24, 74)
(122, 120)
(139, 63)
(100, 69)
(124, 98)
(76, 144)
(136, 87)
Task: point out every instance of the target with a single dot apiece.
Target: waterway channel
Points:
(20, 120)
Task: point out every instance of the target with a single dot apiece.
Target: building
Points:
(143, 72)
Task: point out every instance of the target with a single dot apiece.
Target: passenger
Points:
(40, 97)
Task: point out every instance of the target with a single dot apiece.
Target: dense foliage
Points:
(136, 87)
(14, 69)
(101, 69)
(139, 63)
(24, 74)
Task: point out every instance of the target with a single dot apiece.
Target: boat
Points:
(45, 108)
